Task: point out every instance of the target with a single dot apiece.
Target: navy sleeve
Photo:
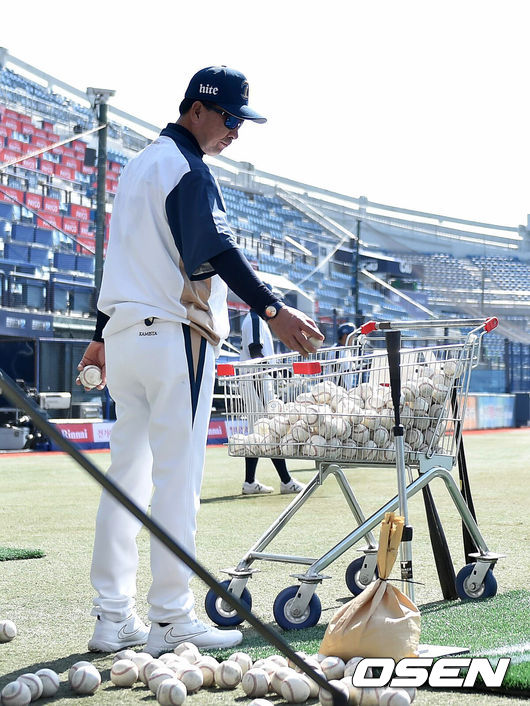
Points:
(233, 267)
(101, 322)
(198, 222)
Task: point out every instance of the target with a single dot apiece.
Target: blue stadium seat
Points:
(64, 261)
(14, 251)
(7, 211)
(22, 232)
(85, 263)
(39, 256)
(44, 236)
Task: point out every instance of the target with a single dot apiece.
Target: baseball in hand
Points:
(90, 376)
(316, 342)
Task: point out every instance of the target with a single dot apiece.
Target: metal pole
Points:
(100, 195)
(99, 97)
(356, 275)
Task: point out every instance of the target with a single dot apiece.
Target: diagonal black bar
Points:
(17, 397)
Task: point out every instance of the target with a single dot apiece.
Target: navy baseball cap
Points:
(345, 330)
(225, 87)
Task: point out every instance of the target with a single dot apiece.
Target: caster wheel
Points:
(468, 592)
(285, 618)
(352, 576)
(220, 612)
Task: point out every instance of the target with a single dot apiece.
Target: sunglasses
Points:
(231, 122)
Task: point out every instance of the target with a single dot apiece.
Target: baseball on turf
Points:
(191, 676)
(295, 689)
(228, 675)
(157, 676)
(85, 680)
(207, 665)
(243, 659)
(326, 697)
(90, 376)
(394, 697)
(123, 654)
(50, 681)
(8, 630)
(171, 692)
(16, 693)
(184, 647)
(124, 672)
(144, 671)
(255, 682)
(261, 702)
(76, 666)
(34, 684)
(333, 668)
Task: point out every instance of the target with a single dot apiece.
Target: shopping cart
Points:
(336, 408)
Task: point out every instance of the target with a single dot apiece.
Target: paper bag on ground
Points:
(381, 621)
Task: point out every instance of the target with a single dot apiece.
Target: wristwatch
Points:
(271, 311)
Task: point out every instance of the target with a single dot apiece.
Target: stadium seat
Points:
(22, 233)
(16, 252)
(64, 261)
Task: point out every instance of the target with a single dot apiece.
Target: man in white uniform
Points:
(256, 342)
(162, 317)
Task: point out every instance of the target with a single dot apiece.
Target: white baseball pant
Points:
(161, 377)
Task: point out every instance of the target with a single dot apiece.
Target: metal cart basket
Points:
(335, 407)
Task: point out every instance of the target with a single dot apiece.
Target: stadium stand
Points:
(340, 258)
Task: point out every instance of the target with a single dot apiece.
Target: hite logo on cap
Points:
(244, 90)
(210, 90)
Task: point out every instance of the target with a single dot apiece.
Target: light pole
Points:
(99, 97)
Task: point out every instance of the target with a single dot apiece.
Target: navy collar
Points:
(177, 132)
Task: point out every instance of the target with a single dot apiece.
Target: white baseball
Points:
(277, 677)
(295, 689)
(279, 425)
(342, 428)
(349, 450)
(371, 421)
(326, 697)
(123, 654)
(274, 406)
(145, 670)
(171, 660)
(387, 421)
(304, 398)
(16, 693)
(191, 676)
(261, 702)
(243, 659)
(157, 676)
(171, 692)
(420, 405)
(50, 681)
(86, 680)
(333, 667)
(368, 696)
(262, 426)
(323, 391)
(394, 697)
(310, 414)
(381, 437)
(207, 665)
(314, 688)
(90, 376)
(236, 444)
(316, 342)
(8, 630)
(255, 682)
(76, 666)
(300, 431)
(34, 684)
(228, 675)
(414, 437)
(278, 660)
(141, 659)
(452, 369)
(315, 446)
(421, 421)
(360, 434)
(289, 447)
(254, 443)
(351, 666)
(425, 387)
(124, 672)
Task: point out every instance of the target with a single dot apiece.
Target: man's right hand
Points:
(294, 328)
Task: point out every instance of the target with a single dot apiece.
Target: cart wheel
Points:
(220, 612)
(284, 617)
(468, 592)
(352, 576)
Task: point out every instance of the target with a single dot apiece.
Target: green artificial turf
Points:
(50, 599)
(10, 553)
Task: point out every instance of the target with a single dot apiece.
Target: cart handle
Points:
(225, 370)
(311, 367)
(489, 324)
